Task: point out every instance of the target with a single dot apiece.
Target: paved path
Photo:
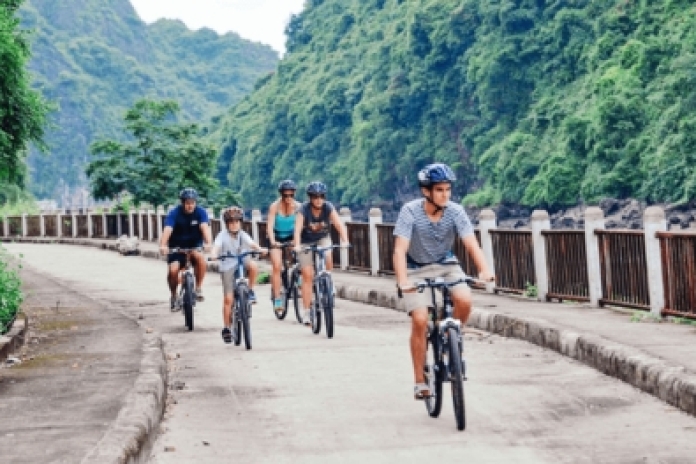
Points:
(299, 397)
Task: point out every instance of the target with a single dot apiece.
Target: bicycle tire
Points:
(314, 313)
(237, 326)
(284, 282)
(188, 301)
(433, 376)
(243, 323)
(296, 296)
(328, 304)
(456, 378)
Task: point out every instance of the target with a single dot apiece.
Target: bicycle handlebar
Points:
(314, 247)
(184, 250)
(435, 283)
(239, 256)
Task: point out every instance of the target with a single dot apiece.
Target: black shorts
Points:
(179, 258)
(283, 239)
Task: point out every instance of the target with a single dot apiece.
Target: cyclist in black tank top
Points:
(312, 225)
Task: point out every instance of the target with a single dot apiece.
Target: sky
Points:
(257, 20)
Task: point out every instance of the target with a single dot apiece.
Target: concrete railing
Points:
(615, 267)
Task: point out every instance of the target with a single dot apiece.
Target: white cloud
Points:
(258, 20)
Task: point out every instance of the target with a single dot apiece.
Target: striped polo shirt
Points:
(430, 242)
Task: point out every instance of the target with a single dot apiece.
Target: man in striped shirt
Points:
(424, 235)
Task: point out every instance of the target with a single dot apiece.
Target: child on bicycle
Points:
(233, 240)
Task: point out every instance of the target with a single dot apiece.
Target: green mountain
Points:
(538, 102)
(94, 59)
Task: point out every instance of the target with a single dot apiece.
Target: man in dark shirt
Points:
(186, 226)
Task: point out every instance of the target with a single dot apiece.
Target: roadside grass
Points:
(11, 295)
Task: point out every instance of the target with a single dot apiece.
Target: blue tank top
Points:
(284, 226)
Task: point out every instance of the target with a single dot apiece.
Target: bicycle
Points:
(322, 287)
(290, 279)
(444, 361)
(242, 306)
(187, 294)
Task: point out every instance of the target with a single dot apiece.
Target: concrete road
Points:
(300, 397)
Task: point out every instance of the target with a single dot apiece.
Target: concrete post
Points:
(5, 227)
(594, 219)
(375, 217)
(255, 218)
(150, 230)
(540, 221)
(131, 222)
(346, 216)
(119, 230)
(105, 232)
(487, 222)
(73, 223)
(160, 213)
(654, 221)
(24, 224)
(42, 225)
(90, 231)
(59, 225)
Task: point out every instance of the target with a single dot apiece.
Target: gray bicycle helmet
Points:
(434, 174)
(188, 194)
(316, 188)
(286, 184)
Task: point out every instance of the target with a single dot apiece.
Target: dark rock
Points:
(612, 224)
(567, 223)
(581, 223)
(610, 206)
(502, 212)
(635, 225)
(519, 223)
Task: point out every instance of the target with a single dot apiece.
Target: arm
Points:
(474, 250)
(338, 224)
(207, 238)
(164, 240)
(400, 249)
(270, 223)
(299, 223)
(215, 252)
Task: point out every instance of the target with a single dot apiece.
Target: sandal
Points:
(421, 391)
(199, 294)
(227, 335)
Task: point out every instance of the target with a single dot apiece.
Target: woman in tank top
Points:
(281, 228)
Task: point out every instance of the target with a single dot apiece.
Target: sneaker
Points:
(227, 335)
(278, 305)
(199, 294)
(172, 303)
(252, 297)
(305, 318)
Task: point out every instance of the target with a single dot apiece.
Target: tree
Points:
(162, 157)
(22, 109)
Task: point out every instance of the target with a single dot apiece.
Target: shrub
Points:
(11, 296)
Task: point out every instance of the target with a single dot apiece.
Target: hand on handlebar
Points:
(486, 277)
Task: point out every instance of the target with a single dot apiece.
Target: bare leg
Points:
(227, 310)
(307, 278)
(253, 271)
(419, 326)
(329, 261)
(199, 267)
(173, 278)
(276, 262)
(461, 299)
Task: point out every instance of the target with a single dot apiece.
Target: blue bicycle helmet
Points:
(188, 194)
(434, 174)
(286, 184)
(316, 188)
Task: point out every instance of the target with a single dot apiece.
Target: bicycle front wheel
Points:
(285, 282)
(188, 301)
(244, 308)
(327, 301)
(433, 375)
(456, 378)
(295, 292)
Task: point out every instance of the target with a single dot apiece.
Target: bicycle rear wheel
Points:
(237, 325)
(295, 289)
(327, 301)
(315, 312)
(456, 378)
(188, 301)
(433, 375)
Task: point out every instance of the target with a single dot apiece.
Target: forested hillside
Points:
(94, 59)
(539, 102)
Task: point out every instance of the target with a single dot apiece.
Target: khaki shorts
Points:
(448, 272)
(305, 259)
(228, 278)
